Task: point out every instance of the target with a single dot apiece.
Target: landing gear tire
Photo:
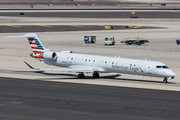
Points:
(165, 80)
(80, 75)
(95, 75)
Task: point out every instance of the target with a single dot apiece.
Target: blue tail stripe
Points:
(38, 44)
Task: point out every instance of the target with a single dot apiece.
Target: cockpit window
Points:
(164, 67)
(158, 66)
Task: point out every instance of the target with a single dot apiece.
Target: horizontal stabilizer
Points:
(29, 65)
(28, 35)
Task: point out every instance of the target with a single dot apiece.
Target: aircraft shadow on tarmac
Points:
(74, 76)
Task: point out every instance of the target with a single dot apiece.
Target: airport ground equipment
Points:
(134, 40)
(178, 41)
(109, 40)
(108, 27)
(89, 39)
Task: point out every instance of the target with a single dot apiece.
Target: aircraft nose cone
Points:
(171, 73)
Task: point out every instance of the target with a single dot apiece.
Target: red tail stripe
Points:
(34, 47)
(30, 38)
(38, 57)
(32, 43)
(38, 52)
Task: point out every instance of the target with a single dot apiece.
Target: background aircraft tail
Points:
(35, 44)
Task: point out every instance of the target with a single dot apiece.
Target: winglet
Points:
(30, 66)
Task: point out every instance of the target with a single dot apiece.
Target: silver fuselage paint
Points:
(112, 64)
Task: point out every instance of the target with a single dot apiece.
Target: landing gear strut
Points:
(165, 80)
(80, 75)
(95, 75)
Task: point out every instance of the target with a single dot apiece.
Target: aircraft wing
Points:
(74, 68)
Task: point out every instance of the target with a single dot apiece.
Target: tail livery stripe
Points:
(38, 52)
(38, 57)
(36, 47)
(35, 44)
(32, 43)
(38, 44)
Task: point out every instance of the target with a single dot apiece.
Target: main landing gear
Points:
(81, 75)
(95, 75)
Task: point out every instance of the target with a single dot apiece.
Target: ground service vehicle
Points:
(134, 40)
(178, 41)
(109, 40)
(89, 39)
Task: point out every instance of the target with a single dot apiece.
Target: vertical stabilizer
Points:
(35, 44)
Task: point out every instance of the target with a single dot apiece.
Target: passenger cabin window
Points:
(71, 58)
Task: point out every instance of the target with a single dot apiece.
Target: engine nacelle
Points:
(49, 55)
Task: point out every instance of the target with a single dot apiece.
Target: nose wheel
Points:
(165, 80)
(95, 75)
(80, 75)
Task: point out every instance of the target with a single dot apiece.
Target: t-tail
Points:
(35, 44)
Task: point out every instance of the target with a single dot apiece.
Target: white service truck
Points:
(109, 40)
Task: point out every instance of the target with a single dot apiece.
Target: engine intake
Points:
(49, 55)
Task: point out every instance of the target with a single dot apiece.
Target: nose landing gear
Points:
(165, 80)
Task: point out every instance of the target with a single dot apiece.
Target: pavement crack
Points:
(172, 114)
(69, 102)
(56, 100)
(75, 106)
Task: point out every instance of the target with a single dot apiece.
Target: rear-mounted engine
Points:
(49, 55)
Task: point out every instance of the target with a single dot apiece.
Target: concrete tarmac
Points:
(37, 100)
